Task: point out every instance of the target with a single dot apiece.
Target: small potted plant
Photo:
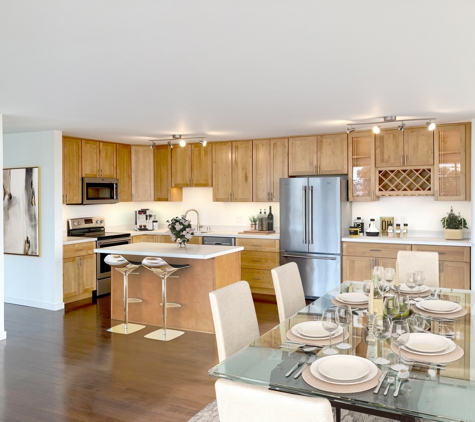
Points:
(454, 225)
(253, 220)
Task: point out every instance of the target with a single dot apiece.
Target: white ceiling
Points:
(130, 71)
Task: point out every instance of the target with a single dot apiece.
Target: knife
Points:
(381, 379)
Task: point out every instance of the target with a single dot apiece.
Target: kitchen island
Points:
(210, 268)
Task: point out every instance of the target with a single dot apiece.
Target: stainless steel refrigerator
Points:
(314, 215)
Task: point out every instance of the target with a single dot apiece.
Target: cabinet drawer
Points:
(259, 260)
(78, 249)
(264, 245)
(258, 278)
(376, 250)
(446, 253)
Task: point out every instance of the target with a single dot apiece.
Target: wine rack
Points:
(405, 182)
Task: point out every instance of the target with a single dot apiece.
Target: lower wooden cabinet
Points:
(162, 238)
(79, 271)
(257, 259)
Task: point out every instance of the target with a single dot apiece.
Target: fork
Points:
(300, 362)
(309, 362)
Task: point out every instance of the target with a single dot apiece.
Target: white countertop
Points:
(220, 233)
(69, 240)
(170, 250)
(436, 241)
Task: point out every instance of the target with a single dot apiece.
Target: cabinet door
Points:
(72, 186)
(90, 158)
(87, 274)
(70, 277)
(357, 268)
(222, 183)
(261, 170)
(454, 275)
(162, 175)
(142, 173)
(390, 148)
(181, 166)
(279, 160)
(201, 175)
(418, 147)
(332, 154)
(361, 180)
(108, 159)
(242, 171)
(124, 172)
(303, 156)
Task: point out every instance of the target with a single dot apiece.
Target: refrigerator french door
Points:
(314, 211)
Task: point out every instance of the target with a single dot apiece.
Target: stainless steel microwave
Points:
(97, 190)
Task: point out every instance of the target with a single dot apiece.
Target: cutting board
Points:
(257, 232)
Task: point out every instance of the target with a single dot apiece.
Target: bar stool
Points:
(162, 269)
(124, 267)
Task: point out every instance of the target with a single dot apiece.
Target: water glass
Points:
(330, 324)
(391, 306)
(419, 279)
(345, 317)
(399, 336)
(411, 284)
(381, 331)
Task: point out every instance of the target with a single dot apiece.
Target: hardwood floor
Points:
(65, 366)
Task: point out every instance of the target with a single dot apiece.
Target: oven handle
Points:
(101, 243)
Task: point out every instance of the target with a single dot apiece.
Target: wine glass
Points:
(389, 274)
(330, 323)
(367, 287)
(391, 306)
(419, 279)
(399, 336)
(381, 330)
(345, 317)
(411, 284)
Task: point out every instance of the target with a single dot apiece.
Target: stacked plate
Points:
(344, 369)
(439, 306)
(355, 299)
(313, 330)
(418, 289)
(428, 344)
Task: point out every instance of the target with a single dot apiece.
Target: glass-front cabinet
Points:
(361, 167)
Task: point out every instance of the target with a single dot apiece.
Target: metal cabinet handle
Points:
(375, 250)
(304, 219)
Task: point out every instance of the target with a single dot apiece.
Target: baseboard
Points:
(34, 303)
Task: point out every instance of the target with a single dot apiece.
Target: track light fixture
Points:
(391, 119)
(170, 144)
(181, 140)
(153, 144)
(203, 142)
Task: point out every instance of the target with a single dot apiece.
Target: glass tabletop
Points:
(437, 392)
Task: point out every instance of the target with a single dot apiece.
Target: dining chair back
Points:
(410, 261)
(239, 402)
(288, 290)
(234, 318)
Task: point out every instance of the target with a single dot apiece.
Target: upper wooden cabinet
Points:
(142, 173)
(191, 166)
(411, 147)
(162, 164)
(124, 172)
(361, 171)
(452, 162)
(72, 153)
(99, 159)
(270, 163)
(232, 169)
(322, 154)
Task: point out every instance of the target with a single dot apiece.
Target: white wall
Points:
(3, 333)
(38, 281)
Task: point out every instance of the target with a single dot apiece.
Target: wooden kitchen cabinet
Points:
(232, 169)
(99, 159)
(124, 172)
(257, 259)
(191, 166)
(162, 173)
(72, 172)
(361, 169)
(270, 163)
(452, 162)
(142, 173)
(79, 271)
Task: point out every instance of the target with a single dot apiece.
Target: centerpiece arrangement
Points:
(454, 225)
(179, 229)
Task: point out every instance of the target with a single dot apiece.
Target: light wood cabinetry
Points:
(124, 172)
(162, 238)
(142, 173)
(191, 166)
(257, 259)
(162, 164)
(452, 162)
(72, 172)
(322, 154)
(232, 169)
(99, 159)
(270, 163)
(79, 271)
(361, 170)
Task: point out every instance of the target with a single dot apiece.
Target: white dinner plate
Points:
(449, 349)
(314, 369)
(438, 305)
(353, 298)
(313, 330)
(418, 289)
(427, 343)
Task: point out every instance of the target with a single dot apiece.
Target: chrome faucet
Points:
(197, 219)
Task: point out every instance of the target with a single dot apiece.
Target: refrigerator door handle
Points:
(304, 213)
(326, 258)
(310, 216)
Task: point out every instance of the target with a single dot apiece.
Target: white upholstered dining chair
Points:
(410, 261)
(288, 290)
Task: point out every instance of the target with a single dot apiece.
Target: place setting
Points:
(356, 300)
(313, 333)
(439, 309)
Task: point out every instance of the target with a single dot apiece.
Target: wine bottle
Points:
(270, 220)
(264, 221)
(259, 221)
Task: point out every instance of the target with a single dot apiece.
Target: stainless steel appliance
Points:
(143, 220)
(95, 227)
(98, 190)
(314, 215)
(219, 240)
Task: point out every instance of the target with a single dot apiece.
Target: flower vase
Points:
(180, 243)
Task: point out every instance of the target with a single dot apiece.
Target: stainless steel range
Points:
(96, 227)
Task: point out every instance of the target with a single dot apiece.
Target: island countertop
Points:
(170, 250)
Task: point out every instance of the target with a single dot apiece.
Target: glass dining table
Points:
(434, 391)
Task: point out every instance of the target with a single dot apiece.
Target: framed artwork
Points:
(21, 211)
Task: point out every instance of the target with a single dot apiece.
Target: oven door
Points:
(103, 283)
